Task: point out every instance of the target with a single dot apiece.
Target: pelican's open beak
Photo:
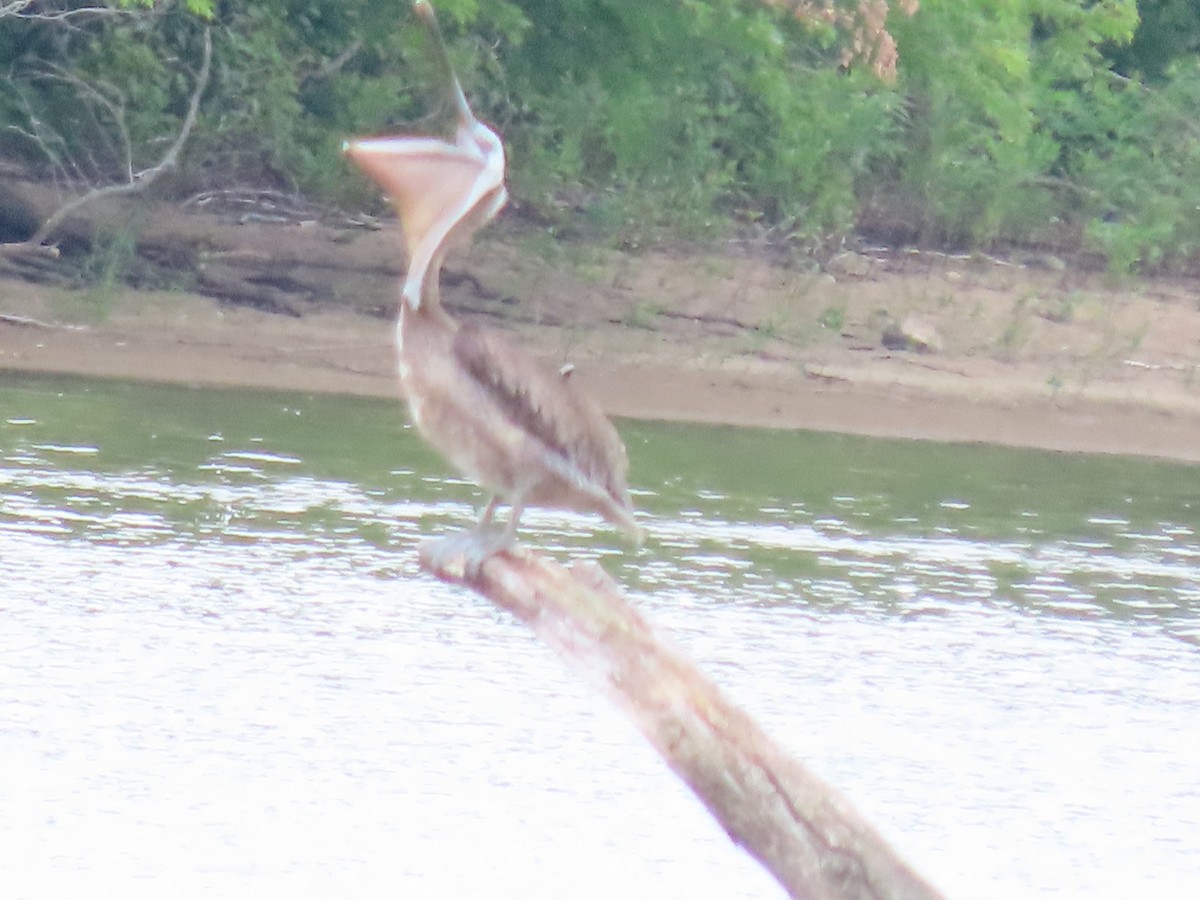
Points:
(443, 191)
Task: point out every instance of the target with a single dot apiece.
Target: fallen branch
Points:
(805, 833)
(20, 9)
(137, 181)
(25, 322)
(29, 249)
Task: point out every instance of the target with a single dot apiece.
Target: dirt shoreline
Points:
(1025, 357)
(879, 395)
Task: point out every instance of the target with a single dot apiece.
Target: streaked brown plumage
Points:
(528, 436)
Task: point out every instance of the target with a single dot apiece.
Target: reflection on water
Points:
(221, 673)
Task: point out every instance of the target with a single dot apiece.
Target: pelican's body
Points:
(527, 436)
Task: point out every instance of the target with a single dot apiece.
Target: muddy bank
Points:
(914, 345)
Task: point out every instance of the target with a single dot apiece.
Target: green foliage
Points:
(94, 102)
(291, 78)
(1018, 128)
(978, 80)
(1139, 197)
(295, 77)
(832, 318)
(201, 8)
(1063, 122)
(679, 114)
(105, 268)
(637, 120)
(1169, 30)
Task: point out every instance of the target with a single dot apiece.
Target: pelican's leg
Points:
(486, 541)
(514, 519)
(489, 512)
(477, 545)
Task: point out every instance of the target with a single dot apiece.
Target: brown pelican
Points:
(527, 436)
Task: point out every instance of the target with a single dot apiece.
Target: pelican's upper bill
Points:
(377, 145)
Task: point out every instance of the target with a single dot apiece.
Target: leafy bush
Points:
(979, 80)
(677, 115)
(1034, 121)
(1138, 194)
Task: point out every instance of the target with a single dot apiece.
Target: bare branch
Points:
(109, 99)
(21, 9)
(139, 181)
(804, 832)
(41, 135)
(171, 159)
(25, 322)
(334, 65)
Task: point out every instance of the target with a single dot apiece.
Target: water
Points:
(222, 675)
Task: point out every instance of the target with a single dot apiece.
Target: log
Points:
(803, 831)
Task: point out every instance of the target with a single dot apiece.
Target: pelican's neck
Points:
(429, 310)
(426, 290)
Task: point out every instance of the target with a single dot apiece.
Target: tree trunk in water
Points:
(805, 833)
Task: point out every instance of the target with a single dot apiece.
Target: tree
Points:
(99, 109)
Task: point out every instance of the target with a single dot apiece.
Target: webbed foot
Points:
(468, 549)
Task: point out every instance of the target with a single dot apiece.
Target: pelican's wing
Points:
(440, 191)
(579, 440)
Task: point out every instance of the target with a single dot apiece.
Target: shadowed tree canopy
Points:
(1059, 123)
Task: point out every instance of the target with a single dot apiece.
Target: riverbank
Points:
(1016, 353)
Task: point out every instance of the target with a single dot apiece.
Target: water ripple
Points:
(222, 674)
